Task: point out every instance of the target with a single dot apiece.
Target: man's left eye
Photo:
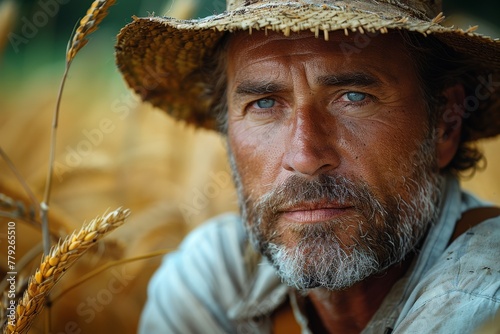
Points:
(355, 96)
(265, 103)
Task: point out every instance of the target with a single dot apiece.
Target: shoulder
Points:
(209, 273)
(202, 275)
(470, 264)
(210, 253)
(462, 290)
(472, 260)
(223, 231)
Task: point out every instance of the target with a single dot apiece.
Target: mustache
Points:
(340, 190)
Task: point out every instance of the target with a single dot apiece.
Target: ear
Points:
(449, 125)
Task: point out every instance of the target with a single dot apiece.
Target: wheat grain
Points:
(88, 24)
(56, 263)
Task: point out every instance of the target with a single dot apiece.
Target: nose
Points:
(310, 149)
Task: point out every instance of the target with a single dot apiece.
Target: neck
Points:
(350, 310)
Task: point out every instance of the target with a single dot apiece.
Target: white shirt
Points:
(212, 285)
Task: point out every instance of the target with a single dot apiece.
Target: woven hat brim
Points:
(158, 55)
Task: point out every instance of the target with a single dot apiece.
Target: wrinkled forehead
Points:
(381, 52)
(389, 45)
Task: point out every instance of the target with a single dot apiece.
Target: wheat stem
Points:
(55, 123)
(44, 206)
(108, 265)
(19, 177)
(88, 24)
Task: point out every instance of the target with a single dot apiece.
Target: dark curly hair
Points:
(438, 67)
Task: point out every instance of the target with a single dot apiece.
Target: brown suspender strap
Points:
(284, 320)
(473, 217)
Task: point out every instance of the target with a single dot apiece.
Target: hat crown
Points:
(428, 8)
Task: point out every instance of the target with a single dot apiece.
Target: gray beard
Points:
(381, 234)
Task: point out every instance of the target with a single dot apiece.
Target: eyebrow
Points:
(250, 87)
(348, 79)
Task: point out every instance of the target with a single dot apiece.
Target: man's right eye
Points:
(266, 109)
(265, 103)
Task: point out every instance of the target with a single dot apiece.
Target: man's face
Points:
(332, 154)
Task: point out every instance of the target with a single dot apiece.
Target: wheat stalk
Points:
(90, 22)
(56, 263)
(108, 265)
(23, 183)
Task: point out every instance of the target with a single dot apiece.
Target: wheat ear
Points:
(88, 24)
(56, 263)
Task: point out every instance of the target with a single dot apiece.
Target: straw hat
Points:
(158, 55)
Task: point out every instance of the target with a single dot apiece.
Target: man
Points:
(347, 124)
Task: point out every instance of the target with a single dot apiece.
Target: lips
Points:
(314, 212)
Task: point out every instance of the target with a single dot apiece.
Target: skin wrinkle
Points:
(314, 237)
(437, 68)
(379, 167)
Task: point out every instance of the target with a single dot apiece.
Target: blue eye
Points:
(355, 96)
(265, 103)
